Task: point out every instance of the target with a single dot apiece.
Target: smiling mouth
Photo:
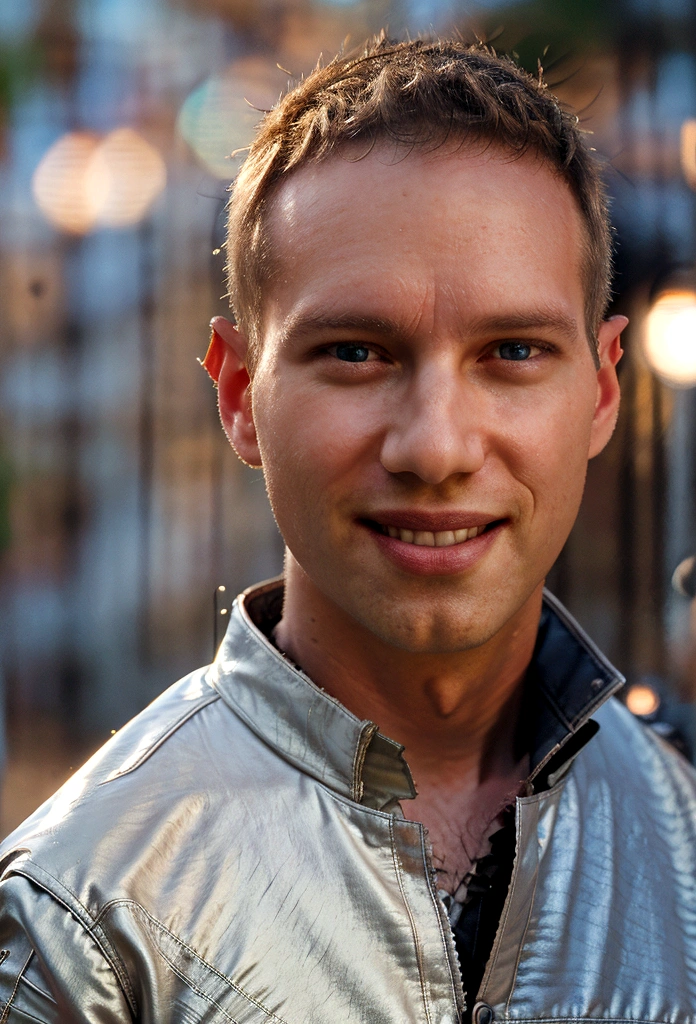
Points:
(432, 538)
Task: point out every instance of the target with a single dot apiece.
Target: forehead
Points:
(442, 236)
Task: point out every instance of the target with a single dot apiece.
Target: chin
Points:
(429, 630)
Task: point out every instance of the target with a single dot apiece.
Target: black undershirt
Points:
(474, 932)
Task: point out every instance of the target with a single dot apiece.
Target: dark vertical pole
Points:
(659, 526)
(70, 667)
(146, 431)
(70, 671)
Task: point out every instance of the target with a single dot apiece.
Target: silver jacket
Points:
(238, 853)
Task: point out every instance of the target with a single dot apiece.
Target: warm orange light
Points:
(60, 183)
(83, 182)
(669, 338)
(124, 177)
(642, 700)
(688, 151)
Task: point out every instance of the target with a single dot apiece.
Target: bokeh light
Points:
(669, 339)
(219, 116)
(688, 151)
(684, 577)
(642, 700)
(60, 183)
(84, 182)
(124, 177)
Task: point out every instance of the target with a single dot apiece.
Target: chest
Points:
(460, 821)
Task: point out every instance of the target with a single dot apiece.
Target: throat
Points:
(444, 696)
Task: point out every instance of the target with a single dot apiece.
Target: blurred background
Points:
(122, 510)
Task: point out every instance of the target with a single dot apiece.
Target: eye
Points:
(349, 352)
(515, 351)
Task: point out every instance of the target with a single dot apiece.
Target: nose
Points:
(437, 429)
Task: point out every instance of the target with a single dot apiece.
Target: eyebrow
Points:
(535, 319)
(306, 323)
(507, 323)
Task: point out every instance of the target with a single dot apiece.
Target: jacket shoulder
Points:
(151, 803)
(134, 744)
(645, 774)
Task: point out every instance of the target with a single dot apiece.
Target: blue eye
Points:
(352, 353)
(514, 350)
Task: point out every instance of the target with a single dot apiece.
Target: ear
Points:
(225, 361)
(608, 391)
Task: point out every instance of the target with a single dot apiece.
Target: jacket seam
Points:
(30, 1016)
(137, 907)
(526, 925)
(502, 924)
(89, 924)
(44, 995)
(8, 1005)
(414, 933)
(434, 901)
(156, 744)
(348, 801)
(194, 987)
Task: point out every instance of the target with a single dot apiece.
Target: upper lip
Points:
(435, 522)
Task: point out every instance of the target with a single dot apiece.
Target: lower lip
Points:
(426, 561)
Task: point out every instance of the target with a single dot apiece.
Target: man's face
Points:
(426, 401)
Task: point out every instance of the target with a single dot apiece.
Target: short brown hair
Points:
(419, 94)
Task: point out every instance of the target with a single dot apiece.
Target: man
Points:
(402, 792)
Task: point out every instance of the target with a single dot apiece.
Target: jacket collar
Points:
(290, 713)
(568, 679)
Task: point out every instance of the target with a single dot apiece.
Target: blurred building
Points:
(121, 506)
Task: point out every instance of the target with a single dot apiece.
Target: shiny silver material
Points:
(238, 853)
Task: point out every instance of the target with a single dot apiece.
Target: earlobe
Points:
(225, 361)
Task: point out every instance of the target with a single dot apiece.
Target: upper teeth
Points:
(438, 539)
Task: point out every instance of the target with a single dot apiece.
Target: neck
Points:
(455, 713)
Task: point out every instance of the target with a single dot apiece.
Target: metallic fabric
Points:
(239, 853)
(601, 919)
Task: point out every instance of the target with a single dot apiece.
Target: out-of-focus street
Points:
(122, 508)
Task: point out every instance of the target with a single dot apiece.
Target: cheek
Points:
(312, 442)
(548, 453)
